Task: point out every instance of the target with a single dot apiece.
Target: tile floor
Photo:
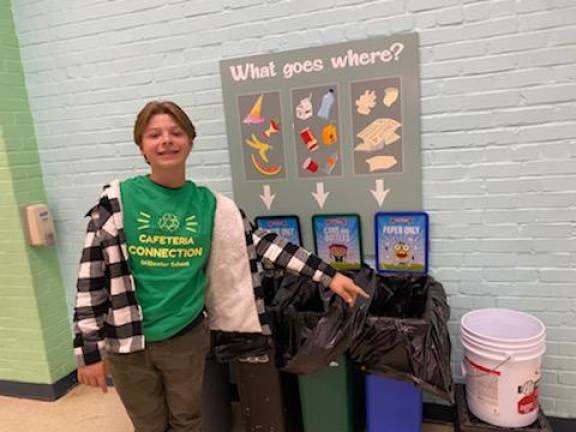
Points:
(82, 410)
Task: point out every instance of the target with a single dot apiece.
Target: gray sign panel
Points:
(325, 130)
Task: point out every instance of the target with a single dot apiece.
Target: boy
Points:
(160, 250)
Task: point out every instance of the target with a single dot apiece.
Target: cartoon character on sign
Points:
(338, 252)
(402, 252)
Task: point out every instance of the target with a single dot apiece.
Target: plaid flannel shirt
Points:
(107, 316)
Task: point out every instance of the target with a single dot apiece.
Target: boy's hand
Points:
(94, 375)
(345, 288)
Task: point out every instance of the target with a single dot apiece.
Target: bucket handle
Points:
(487, 371)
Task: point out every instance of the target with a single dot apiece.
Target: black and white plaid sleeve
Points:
(274, 249)
(91, 305)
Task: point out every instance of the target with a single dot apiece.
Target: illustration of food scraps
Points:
(255, 114)
(258, 131)
(274, 127)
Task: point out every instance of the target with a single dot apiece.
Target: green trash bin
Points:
(332, 398)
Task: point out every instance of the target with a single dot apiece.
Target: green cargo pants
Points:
(161, 386)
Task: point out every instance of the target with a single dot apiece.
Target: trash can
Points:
(312, 325)
(216, 397)
(268, 398)
(392, 405)
(405, 333)
(313, 328)
(400, 332)
(329, 399)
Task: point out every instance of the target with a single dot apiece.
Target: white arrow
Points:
(380, 193)
(268, 196)
(320, 196)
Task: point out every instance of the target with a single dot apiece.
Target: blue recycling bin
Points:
(392, 405)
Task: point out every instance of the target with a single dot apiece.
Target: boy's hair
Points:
(162, 107)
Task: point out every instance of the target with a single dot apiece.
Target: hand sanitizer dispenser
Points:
(39, 224)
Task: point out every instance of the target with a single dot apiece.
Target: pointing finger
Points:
(357, 290)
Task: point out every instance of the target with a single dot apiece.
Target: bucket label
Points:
(482, 382)
(530, 400)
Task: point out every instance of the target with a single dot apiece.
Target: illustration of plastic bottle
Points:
(326, 106)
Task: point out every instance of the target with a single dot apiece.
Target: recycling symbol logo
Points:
(169, 222)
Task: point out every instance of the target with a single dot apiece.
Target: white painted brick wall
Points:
(498, 126)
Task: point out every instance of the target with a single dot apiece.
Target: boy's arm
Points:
(271, 248)
(91, 305)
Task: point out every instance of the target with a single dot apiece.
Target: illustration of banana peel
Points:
(262, 148)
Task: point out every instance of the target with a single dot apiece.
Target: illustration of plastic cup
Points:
(309, 139)
(310, 165)
(330, 163)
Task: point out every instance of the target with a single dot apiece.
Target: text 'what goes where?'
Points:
(253, 71)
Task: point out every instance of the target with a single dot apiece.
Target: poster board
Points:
(328, 129)
(401, 242)
(338, 240)
(287, 227)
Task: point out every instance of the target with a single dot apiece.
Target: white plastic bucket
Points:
(503, 352)
(517, 346)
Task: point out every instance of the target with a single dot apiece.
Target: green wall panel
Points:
(35, 336)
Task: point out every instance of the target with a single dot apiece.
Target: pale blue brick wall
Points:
(498, 125)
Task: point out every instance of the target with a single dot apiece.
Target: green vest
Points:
(168, 234)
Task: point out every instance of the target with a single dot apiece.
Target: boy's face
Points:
(164, 143)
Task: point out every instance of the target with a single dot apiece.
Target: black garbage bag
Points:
(405, 333)
(271, 281)
(228, 346)
(312, 325)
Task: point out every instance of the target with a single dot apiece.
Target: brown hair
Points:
(162, 107)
